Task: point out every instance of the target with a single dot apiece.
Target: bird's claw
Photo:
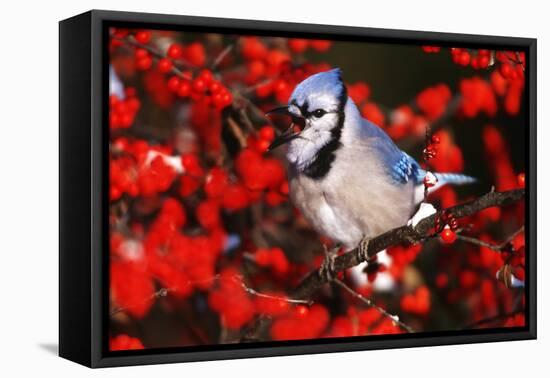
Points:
(364, 249)
(327, 271)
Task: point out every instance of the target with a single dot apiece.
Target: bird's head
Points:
(316, 108)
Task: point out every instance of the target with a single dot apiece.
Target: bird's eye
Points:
(318, 113)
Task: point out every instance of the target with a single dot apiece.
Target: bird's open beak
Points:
(283, 110)
(288, 134)
(283, 138)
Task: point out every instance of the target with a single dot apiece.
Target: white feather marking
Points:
(425, 210)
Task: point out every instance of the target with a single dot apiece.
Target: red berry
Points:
(208, 214)
(484, 53)
(253, 48)
(302, 311)
(184, 89)
(298, 45)
(484, 61)
(199, 85)
(216, 182)
(235, 198)
(215, 87)
(464, 58)
(321, 45)
(191, 164)
(115, 193)
(165, 65)
(448, 236)
(141, 53)
(143, 36)
(144, 63)
(207, 76)
(195, 54)
(505, 70)
(262, 145)
(175, 51)
(262, 257)
(174, 83)
(475, 63)
(267, 133)
(222, 99)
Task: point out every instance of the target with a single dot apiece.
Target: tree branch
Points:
(405, 234)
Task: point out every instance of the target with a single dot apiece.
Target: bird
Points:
(347, 177)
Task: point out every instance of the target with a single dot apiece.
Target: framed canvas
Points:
(234, 188)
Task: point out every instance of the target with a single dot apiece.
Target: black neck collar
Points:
(322, 162)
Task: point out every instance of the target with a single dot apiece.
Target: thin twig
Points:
(518, 57)
(259, 84)
(245, 119)
(251, 291)
(163, 292)
(369, 303)
(221, 56)
(495, 247)
(237, 132)
(157, 294)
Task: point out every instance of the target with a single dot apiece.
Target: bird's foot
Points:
(363, 249)
(327, 271)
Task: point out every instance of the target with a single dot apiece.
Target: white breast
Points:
(326, 218)
(354, 200)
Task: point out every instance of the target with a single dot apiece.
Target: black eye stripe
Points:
(318, 113)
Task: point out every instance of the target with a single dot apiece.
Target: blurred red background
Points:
(204, 240)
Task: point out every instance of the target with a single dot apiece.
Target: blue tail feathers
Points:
(447, 178)
(454, 178)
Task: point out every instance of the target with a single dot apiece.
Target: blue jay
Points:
(346, 175)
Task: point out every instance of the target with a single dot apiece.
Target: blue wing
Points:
(406, 169)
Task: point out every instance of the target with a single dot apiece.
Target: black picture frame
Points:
(83, 229)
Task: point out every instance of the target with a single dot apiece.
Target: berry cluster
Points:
(477, 59)
(122, 112)
(203, 88)
(510, 62)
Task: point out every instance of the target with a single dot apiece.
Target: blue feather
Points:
(405, 169)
